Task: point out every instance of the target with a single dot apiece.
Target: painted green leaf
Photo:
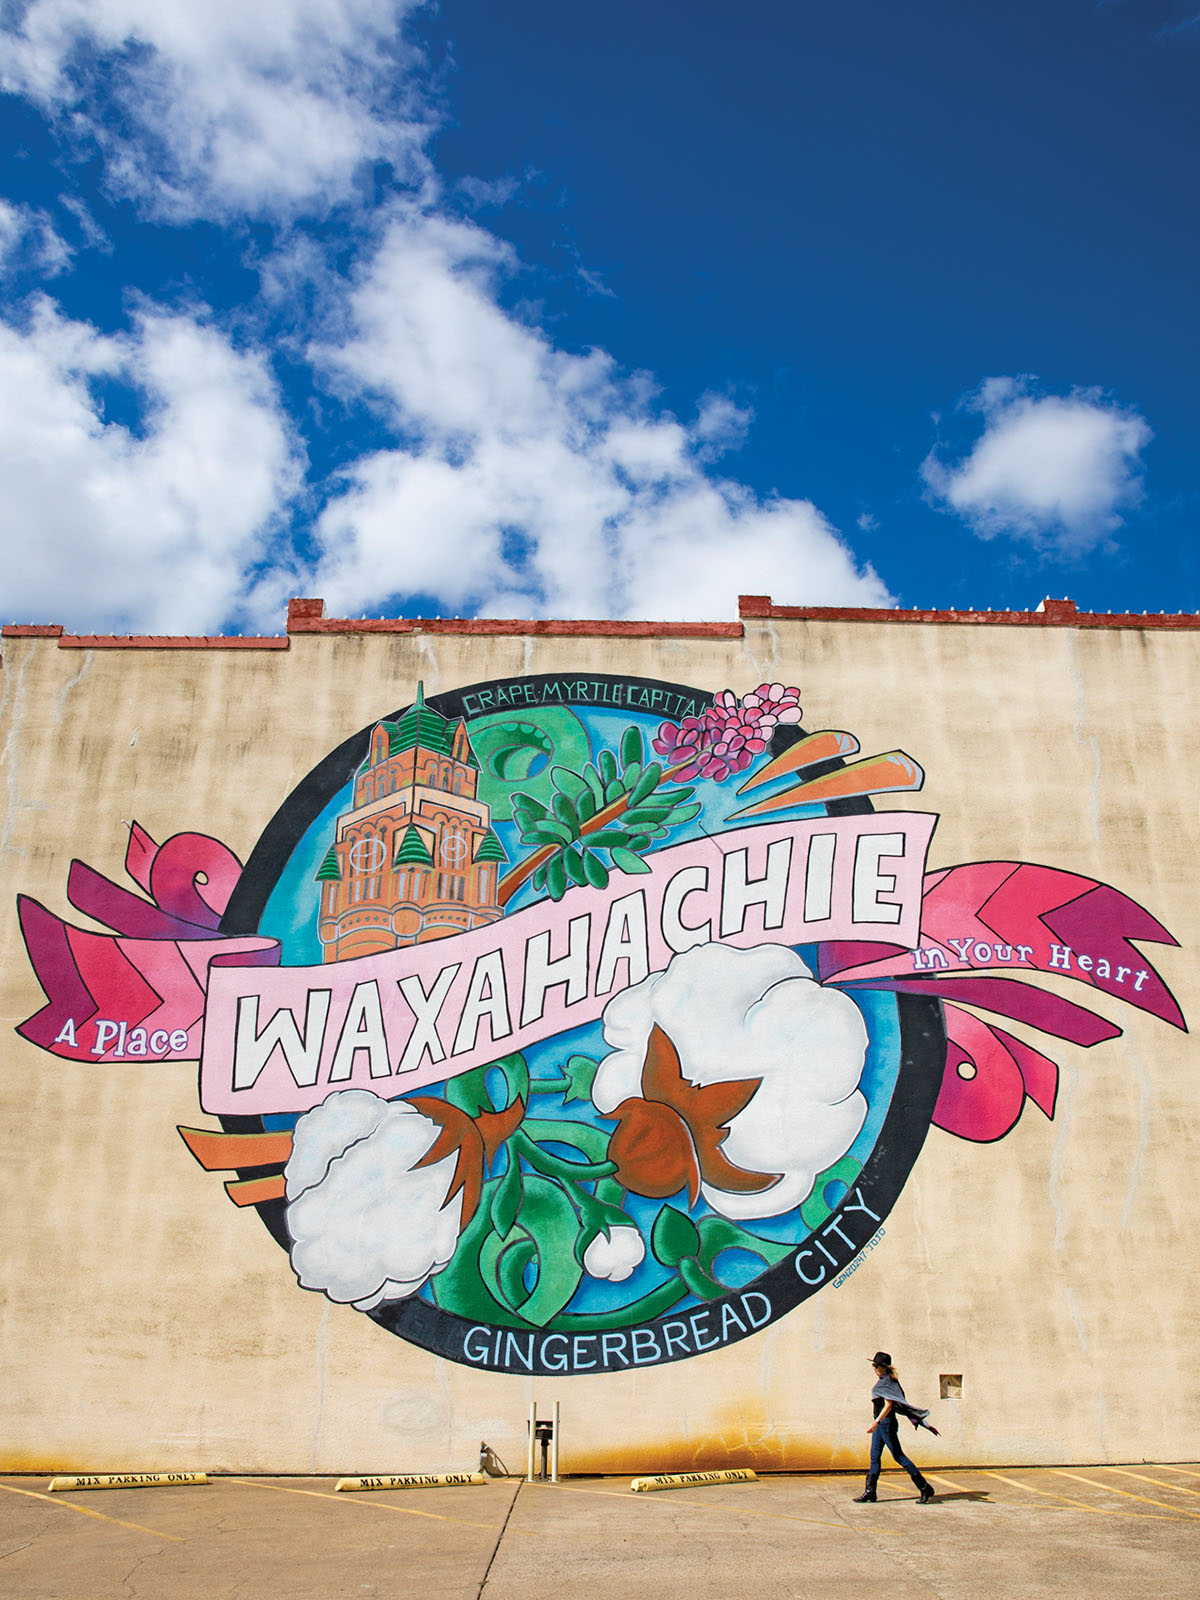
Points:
(579, 1072)
(549, 831)
(631, 774)
(585, 804)
(595, 870)
(564, 810)
(646, 784)
(633, 746)
(526, 803)
(679, 814)
(605, 838)
(673, 1237)
(607, 763)
(573, 862)
(548, 1217)
(595, 783)
(613, 791)
(538, 881)
(459, 1287)
(637, 817)
(628, 862)
(567, 782)
(556, 877)
(509, 1269)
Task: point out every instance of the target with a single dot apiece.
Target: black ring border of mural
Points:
(910, 1113)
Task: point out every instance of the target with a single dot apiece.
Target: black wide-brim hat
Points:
(881, 1359)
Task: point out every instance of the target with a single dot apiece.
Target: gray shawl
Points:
(889, 1389)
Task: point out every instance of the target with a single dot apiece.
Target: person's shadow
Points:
(962, 1494)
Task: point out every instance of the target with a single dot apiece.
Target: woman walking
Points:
(888, 1403)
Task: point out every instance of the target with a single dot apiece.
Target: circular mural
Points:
(575, 1024)
(589, 1104)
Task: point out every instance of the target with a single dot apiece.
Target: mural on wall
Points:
(565, 1026)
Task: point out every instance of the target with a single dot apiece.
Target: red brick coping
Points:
(1051, 613)
(308, 617)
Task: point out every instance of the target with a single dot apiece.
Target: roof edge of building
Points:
(307, 616)
(1050, 613)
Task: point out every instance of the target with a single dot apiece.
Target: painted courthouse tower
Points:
(416, 858)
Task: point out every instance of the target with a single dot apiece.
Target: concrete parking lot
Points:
(1128, 1531)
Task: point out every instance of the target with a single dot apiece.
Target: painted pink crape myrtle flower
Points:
(681, 741)
(729, 735)
(769, 704)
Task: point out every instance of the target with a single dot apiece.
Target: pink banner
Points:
(278, 1040)
(1019, 918)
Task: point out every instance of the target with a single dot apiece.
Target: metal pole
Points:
(532, 1430)
(554, 1447)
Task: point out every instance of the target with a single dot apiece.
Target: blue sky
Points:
(544, 310)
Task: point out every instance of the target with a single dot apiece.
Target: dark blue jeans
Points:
(888, 1433)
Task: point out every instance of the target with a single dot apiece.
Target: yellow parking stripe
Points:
(1179, 1488)
(1169, 1466)
(1141, 1516)
(949, 1482)
(705, 1505)
(377, 1505)
(86, 1511)
(1109, 1488)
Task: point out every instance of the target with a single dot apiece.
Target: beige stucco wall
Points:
(149, 1323)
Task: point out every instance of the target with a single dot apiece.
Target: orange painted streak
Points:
(253, 1191)
(716, 1450)
(876, 775)
(222, 1151)
(806, 753)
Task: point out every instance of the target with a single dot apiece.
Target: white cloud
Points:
(150, 529)
(721, 423)
(28, 239)
(261, 107)
(520, 479)
(1057, 470)
(615, 510)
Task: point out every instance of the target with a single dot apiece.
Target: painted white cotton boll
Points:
(614, 1258)
(367, 1223)
(757, 1013)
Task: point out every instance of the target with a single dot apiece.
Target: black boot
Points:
(926, 1489)
(868, 1494)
